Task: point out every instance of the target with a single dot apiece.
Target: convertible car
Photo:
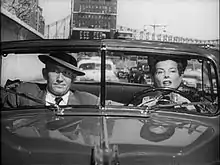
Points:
(123, 128)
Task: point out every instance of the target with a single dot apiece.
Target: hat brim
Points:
(76, 70)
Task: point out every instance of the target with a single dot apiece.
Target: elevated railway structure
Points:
(61, 29)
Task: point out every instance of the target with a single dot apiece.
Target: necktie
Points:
(58, 100)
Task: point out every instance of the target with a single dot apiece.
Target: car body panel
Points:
(130, 135)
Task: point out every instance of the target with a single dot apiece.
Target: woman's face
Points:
(167, 74)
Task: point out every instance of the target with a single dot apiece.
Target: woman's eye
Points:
(159, 72)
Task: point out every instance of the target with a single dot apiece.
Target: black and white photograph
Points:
(110, 82)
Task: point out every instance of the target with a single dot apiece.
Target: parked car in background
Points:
(122, 73)
(192, 78)
(92, 68)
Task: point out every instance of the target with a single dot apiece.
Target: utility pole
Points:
(154, 28)
(71, 19)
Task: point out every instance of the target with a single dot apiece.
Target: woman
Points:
(168, 72)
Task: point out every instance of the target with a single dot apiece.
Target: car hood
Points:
(157, 135)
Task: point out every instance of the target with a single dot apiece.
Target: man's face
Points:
(167, 74)
(58, 78)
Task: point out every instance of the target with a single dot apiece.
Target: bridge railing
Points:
(61, 29)
(145, 35)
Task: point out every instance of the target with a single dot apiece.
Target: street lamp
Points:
(154, 28)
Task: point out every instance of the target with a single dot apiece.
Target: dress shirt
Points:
(51, 98)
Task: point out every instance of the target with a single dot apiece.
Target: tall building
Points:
(91, 19)
(35, 18)
(28, 11)
(30, 18)
(40, 22)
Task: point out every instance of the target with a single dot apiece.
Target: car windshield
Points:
(197, 84)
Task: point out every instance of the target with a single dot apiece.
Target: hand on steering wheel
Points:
(159, 96)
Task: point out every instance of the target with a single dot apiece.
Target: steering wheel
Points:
(160, 93)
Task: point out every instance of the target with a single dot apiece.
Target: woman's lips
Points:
(167, 83)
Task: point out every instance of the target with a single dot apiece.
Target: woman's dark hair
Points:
(153, 60)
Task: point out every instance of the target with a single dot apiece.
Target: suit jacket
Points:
(38, 91)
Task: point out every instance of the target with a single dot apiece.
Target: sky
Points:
(197, 19)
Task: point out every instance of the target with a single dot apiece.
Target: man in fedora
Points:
(60, 71)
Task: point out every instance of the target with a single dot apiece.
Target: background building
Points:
(40, 22)
(28, 11)
(92, 19)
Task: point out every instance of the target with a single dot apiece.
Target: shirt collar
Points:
(50, 98)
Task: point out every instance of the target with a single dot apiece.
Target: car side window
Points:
(193, 76)
(210, 80)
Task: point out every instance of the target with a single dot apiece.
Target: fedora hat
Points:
(64, 59)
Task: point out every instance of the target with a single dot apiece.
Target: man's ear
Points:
(44, 72)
